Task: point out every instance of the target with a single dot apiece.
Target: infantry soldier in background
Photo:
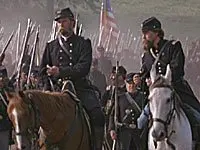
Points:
(169, 52)
(69, 57)
(5, 125)
(97, 78)
(129, 109)
(108, 98)
(105, 64)
(107, 101)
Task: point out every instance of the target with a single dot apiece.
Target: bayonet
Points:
(7, 44)
(33, 56)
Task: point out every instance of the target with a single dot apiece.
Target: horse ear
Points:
(168, 74)
(153, 73)
(8, 95)
(21, 94)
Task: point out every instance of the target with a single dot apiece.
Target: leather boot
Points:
(98, 135)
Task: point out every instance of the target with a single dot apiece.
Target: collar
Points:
(134, 94)
(161, 43)
(66, 38)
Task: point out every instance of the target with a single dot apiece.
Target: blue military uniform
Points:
(74, 61)
(171, 53)
(128, 133)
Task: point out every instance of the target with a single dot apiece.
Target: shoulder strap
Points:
(132, 102)
(161, 51)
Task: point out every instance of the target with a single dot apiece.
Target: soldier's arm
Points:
(46, 60)
(144, 72)
(82, 68)
(177, 61)
(143, 119)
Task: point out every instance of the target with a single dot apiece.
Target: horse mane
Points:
(161, 82)
(54, 100)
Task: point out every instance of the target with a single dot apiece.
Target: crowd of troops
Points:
(99, 83)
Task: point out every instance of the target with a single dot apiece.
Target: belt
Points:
(126, 125)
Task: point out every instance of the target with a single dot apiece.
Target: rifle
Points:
(80, 30)
(7, 43)
(76, 24)
(24, 49)
(117, 124)
(33, 56)
(1, 33)
(116, 96)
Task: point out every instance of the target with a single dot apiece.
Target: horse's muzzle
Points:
(158, 135)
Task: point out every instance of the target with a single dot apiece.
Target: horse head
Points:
(22, 114)
(162, 104)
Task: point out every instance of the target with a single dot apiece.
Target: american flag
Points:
(108, 26)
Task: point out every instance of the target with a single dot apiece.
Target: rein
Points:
(32, 130)
(170, 116)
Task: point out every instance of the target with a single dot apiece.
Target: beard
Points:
(66, 32)
(147, 45)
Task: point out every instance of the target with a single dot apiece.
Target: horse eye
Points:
(168, 100)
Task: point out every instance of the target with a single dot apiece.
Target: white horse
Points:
(170, 128)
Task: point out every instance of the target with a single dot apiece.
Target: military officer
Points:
(69, 57)
(169, 52)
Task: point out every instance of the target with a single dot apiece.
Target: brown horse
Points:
(59, 116)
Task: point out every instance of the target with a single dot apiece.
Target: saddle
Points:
(68, 87)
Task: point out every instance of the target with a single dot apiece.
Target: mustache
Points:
(65, 32)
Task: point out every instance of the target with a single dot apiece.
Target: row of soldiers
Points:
(69, 57)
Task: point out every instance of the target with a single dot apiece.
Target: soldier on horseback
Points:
(169, 52)
(69, 57)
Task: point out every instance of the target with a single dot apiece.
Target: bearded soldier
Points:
(69, 57)
(169, 52)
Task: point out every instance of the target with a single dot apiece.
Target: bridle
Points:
(170, 116)
(32, 131)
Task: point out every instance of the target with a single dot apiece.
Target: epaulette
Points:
(142, 56)
(49, 41)
(174, 42)
(108, 87)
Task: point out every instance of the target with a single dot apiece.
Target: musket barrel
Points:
(7, 43)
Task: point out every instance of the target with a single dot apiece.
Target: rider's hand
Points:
(54, 71)
(113, 135)
(148, 81)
